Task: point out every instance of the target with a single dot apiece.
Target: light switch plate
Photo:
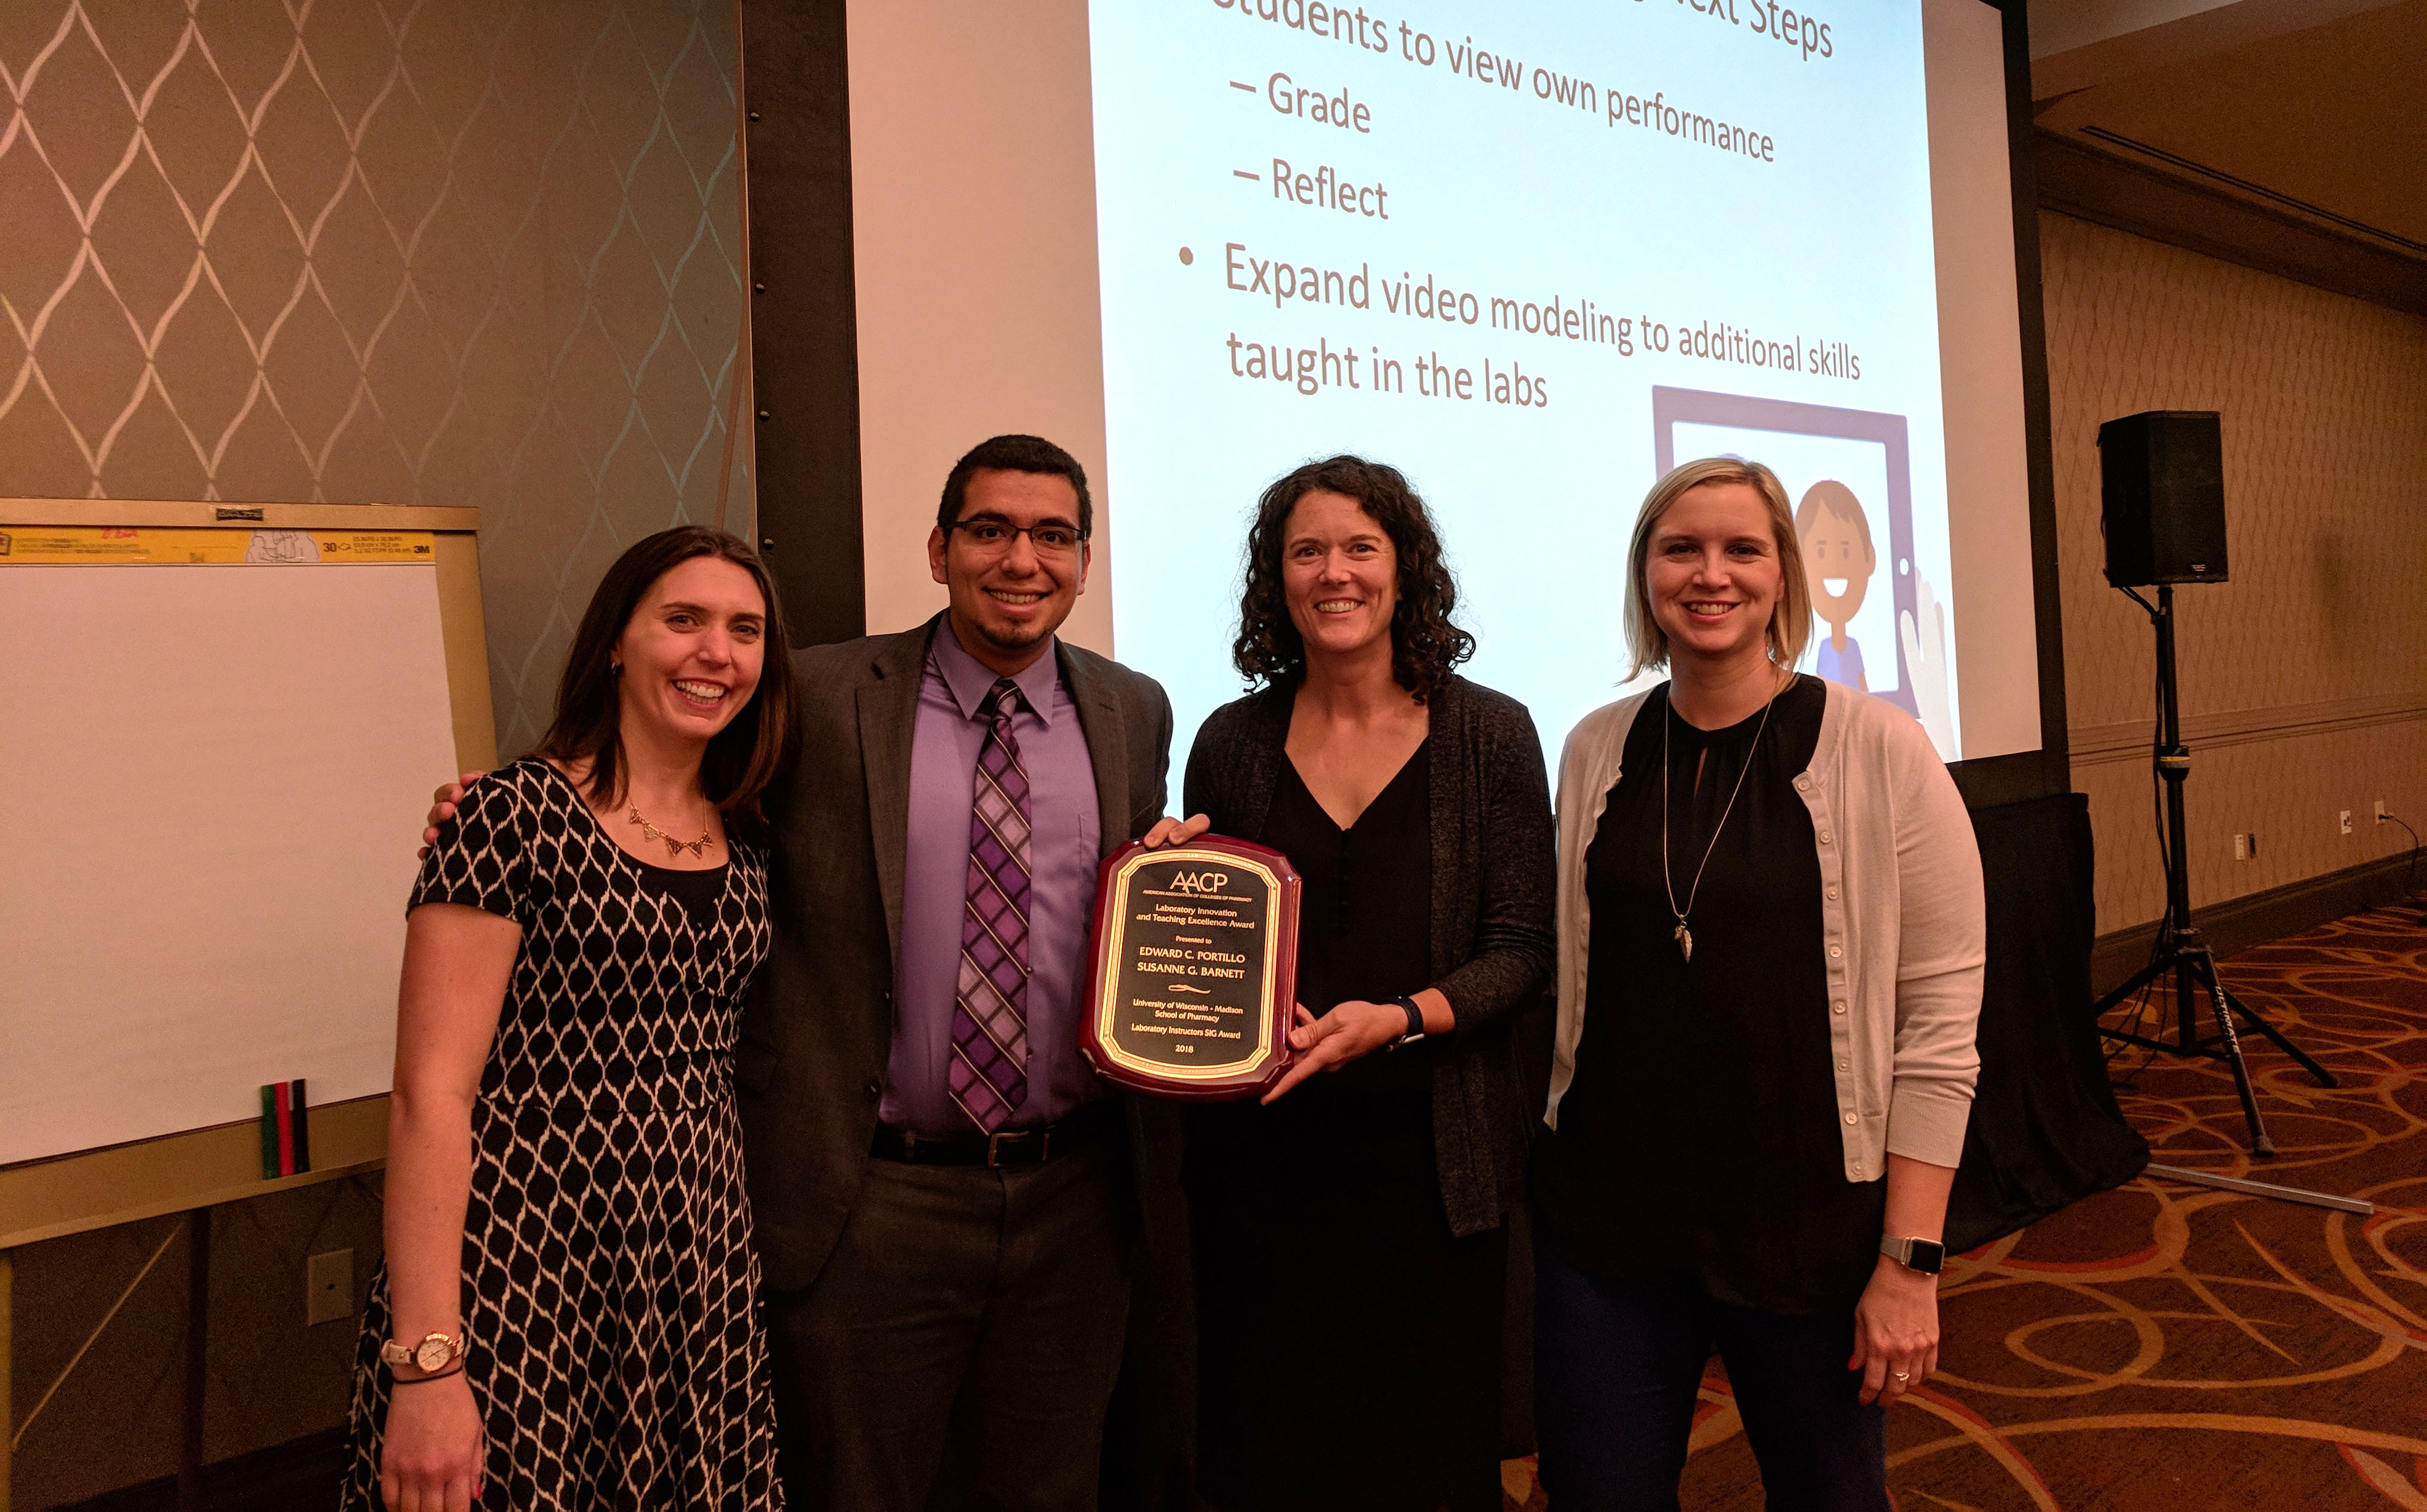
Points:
(329, 1286)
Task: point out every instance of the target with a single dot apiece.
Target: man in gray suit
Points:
(941, 1187)
(945, 1196)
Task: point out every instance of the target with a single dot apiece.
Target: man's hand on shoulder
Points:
(442, 808)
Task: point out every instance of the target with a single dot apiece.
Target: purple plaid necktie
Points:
(989, 1070)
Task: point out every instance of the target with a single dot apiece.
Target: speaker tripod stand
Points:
(2181, 952)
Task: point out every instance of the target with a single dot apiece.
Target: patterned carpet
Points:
(2170, 1346)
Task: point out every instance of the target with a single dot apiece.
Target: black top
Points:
(1701, 1132)
(696, 891)
(1493, 937)
(1390, 1398)
(1365, 934)
(1364, 919)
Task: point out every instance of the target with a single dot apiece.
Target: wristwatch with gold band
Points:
(435, 1351)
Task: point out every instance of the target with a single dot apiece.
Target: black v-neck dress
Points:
(1348, 1349)
(610, 1288)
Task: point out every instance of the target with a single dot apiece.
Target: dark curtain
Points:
(2045, 1131)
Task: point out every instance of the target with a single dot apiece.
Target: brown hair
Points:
(1790, 620)
(1834, 498)
(1424, 642)
(744, 759)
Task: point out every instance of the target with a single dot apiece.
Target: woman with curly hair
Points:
(1374, 1180)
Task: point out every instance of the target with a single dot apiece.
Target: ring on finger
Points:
(1903, 1376)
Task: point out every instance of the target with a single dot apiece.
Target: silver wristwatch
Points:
(1924, 1254)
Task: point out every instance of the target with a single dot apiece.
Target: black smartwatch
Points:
(1415, 1023)
(1927, 1255)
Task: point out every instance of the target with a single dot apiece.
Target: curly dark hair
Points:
(1426, 644)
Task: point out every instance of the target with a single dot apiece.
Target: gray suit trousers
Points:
(959, 1348)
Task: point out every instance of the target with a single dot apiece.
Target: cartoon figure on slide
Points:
(1835, 536)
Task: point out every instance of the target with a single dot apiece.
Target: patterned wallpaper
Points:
(404, 251)
(2305, 677)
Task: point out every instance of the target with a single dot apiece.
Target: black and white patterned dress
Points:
(609, 1286)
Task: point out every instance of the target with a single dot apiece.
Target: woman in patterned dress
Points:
(567, 1316)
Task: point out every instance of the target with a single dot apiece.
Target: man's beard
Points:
(1015, 637)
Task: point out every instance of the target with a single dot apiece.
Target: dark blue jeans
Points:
(1616, 1365)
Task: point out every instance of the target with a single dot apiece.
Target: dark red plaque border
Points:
(1251, 1082)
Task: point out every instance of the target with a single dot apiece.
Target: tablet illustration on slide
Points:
(1844, 470)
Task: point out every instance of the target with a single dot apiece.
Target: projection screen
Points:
(1529, 255)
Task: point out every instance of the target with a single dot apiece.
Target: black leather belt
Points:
(1089, 1126)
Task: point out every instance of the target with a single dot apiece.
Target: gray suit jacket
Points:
(818, 1027)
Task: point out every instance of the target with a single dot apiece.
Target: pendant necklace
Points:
(1683, 936)
(674, 847)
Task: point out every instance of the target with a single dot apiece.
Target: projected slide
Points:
(1531, 255)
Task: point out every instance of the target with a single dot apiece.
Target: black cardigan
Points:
(1494, 907)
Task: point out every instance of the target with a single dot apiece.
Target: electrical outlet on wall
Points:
(2380, 810)
(2241, 848)
(2344, 821)
(329, 1286)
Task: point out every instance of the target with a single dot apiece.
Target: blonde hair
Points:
(1790, 619)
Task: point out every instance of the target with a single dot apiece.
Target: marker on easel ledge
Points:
(286, 1131)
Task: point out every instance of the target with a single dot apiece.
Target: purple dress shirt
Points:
(1063, 849)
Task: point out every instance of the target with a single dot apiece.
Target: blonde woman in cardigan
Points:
(1770, 948)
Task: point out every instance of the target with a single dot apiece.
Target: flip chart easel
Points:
(288, 570)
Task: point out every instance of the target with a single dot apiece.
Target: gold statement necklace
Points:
(1683, 936)
(675, 847)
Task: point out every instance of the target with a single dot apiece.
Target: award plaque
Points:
(1194, 969)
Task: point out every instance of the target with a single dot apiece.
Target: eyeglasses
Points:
(993, 538)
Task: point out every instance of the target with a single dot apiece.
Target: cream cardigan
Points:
(1901, 910)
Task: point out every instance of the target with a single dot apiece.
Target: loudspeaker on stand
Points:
(2161, 497)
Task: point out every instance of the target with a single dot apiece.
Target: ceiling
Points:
(2312, 110)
